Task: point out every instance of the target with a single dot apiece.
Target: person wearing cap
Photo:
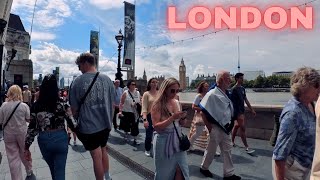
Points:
(26, 95)
(119, 92)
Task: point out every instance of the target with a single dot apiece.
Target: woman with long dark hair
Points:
(147, 101)
(48, 116)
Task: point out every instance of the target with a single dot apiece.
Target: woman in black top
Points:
(48, 116)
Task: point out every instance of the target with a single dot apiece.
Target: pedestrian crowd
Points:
(94, 104)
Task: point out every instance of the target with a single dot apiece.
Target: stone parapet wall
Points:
(258, 127)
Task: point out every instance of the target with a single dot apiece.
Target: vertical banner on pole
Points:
(129, 39)
(94, 46)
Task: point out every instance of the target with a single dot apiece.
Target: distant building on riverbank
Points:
(283, 73)
(187, 81)
(252, 75)
(209, 79)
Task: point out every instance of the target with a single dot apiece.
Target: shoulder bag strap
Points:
(174, 125)
(11, 115)
(131, 96)
(175, 128)
(87, 92)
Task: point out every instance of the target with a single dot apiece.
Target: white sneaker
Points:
(218, 153)
(250, 151)
(147, 153)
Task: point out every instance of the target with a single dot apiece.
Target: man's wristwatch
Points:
(144, 120)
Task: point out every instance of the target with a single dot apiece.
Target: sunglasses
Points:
(173, 91)
(133, 84)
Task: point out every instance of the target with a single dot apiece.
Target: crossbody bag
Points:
(74, 123)
(14, 110)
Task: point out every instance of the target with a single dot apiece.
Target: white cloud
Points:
(47, 56)
(22, 4)
(198, 70)
(42, 36)
(51, 13)
(111, 4)
(48, 13)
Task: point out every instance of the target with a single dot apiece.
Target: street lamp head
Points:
(119, 37)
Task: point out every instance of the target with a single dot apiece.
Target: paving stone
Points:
(79, 163)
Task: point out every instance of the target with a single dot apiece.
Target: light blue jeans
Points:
(54, 149)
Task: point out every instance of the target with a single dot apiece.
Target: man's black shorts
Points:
(95, 140)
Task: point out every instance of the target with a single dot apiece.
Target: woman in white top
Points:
(128, 112)
(15, 130)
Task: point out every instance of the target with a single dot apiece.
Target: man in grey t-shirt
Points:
(95, 114)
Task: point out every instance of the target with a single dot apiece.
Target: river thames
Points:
(257, 98)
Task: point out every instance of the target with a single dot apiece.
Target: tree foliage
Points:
(268, 82)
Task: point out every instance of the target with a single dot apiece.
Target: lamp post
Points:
(119, 38)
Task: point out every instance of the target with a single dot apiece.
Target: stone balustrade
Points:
(258, 127)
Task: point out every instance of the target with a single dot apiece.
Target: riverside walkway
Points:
(129, 162)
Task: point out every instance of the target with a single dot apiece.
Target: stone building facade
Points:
(209, 79)
(5, 8)
(20, 69)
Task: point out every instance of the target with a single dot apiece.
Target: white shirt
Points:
(128, 103)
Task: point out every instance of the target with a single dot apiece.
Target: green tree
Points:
(259, 82)
(284, 82)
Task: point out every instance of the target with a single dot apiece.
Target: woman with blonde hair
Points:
(294, 149)
(170, 161)
(14, 115)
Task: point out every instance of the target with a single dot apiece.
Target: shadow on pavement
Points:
(116, 140)
(248, 177)
(262, 152)
(237, 159)
(195, 171)
(79, 148)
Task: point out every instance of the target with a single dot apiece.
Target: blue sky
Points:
(61, 31)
